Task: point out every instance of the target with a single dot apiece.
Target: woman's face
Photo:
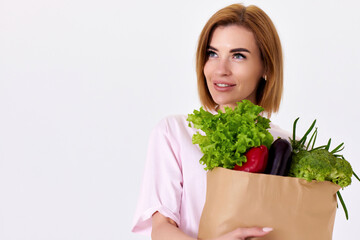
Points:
(234, 66)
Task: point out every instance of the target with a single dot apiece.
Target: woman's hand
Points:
(245, 233)
(164, 228)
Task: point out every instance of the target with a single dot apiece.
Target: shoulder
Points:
(178, 119)
(173, 126)
(174, 121)
(171, 122)
(277, 132)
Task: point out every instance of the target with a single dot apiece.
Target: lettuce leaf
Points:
(227, 136)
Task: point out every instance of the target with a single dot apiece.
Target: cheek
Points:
(249, 75)
(207, 71)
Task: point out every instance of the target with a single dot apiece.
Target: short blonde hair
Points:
(269, 92)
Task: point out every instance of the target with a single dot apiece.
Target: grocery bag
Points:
(295, 208)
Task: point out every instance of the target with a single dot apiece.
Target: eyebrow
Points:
(232, 50)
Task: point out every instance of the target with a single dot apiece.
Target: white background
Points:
(82, 83)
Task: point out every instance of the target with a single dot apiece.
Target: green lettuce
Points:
(227, 136)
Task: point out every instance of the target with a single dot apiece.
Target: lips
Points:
(223, 86)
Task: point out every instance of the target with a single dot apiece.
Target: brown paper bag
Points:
(295, 208)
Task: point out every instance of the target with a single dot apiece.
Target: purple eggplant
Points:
(279, 158)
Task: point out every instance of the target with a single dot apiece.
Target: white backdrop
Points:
(82, 83)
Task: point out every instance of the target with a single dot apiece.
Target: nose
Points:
(223, 67)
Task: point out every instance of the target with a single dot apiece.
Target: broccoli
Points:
(321, 165)
(342, 173)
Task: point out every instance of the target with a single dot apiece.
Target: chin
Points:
(226, 102)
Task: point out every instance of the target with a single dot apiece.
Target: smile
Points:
(223, 86)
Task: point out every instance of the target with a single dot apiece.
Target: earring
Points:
(265, 77)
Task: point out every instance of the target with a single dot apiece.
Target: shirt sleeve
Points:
(162, 180)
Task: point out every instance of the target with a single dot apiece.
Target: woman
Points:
(239, 57)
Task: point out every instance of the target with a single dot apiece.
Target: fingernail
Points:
(267, 229)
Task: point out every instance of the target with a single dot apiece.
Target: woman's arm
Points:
(163, 227)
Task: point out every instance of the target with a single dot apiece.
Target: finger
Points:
(254, 232)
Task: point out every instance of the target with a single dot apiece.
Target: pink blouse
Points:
(174, 181)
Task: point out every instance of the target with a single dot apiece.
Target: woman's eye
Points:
(211, 54)
(239, 56)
